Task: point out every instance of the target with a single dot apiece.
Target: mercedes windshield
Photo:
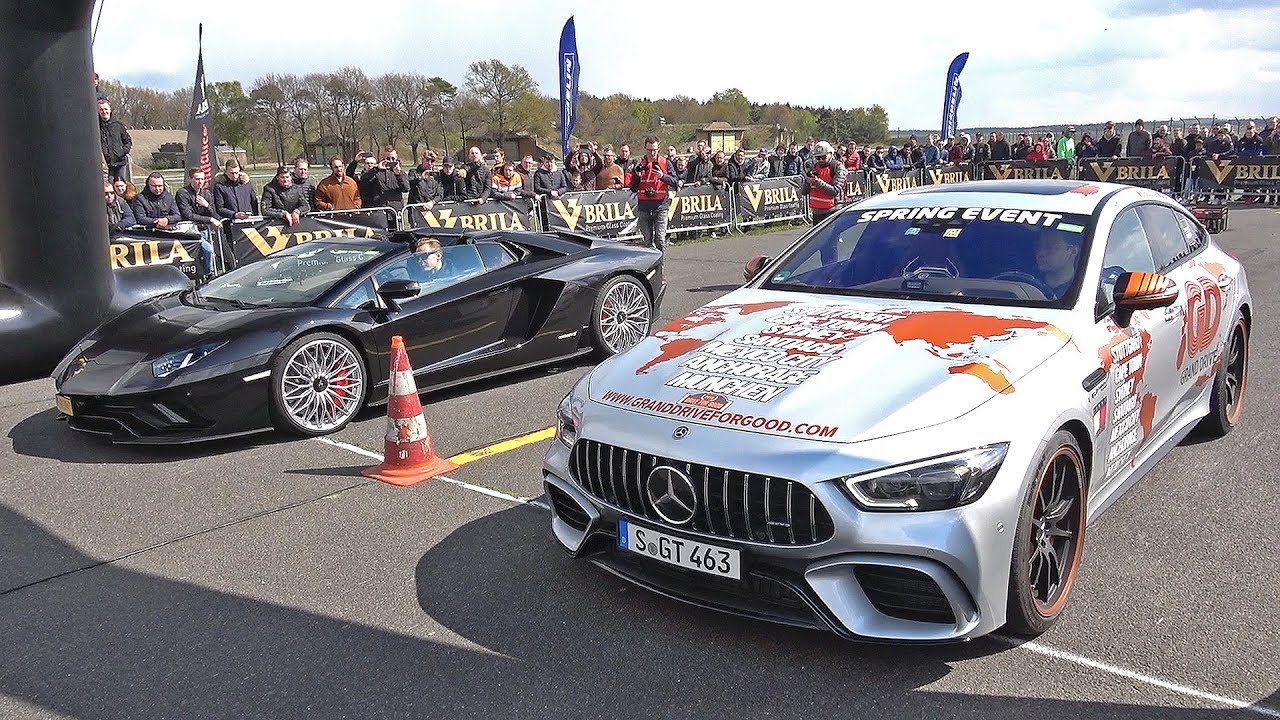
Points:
(1002, 256)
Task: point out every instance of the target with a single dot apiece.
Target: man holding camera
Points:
(386, 182)
(823, 182)
(653, 182)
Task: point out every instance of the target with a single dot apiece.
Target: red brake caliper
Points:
(339, 386)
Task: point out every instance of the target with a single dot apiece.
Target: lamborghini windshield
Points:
(958, 254)
(296, 276)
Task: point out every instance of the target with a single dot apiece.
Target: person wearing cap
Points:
(758, 168)
(1139, 143)
(823, 182)
(452, 186)
(1066, 149)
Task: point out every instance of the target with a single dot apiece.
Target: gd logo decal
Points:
(1204, 316)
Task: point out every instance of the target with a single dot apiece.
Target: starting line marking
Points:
(1034, 647)
(465, 485)
(504, 446)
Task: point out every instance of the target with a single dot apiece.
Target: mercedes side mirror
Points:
(754, 266)
(1144, 291)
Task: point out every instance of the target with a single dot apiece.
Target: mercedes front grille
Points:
(731, 503)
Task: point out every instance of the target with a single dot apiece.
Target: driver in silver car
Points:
(1056, 259)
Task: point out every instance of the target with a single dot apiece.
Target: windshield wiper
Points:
(238, 304)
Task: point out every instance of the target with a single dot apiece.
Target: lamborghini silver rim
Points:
(624, 316)
(322, 385)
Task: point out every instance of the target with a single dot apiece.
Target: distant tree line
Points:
(280, 113)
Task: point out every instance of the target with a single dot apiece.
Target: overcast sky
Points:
(1030, 63)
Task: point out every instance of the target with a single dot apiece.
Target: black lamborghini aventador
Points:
(301, 341)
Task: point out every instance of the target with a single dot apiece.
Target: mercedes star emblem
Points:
(680, 432)
(672, 494)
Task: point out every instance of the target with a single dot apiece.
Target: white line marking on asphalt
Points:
(1139, 677)
(1032, 646)
(465, 485)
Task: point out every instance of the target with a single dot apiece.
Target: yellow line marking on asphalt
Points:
(504, 446)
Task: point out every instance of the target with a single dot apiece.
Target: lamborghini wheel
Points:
(318, 385)
(622, 315)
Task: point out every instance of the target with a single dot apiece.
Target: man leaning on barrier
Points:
(548, 180)
(195, 205)
(154, 207)
(281, 200)
(302, 179)
(338, 191)
(653, 184)
(386, 183)
(453, 187)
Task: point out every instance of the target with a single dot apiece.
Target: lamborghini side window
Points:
(434, 271)
(494, 255)
(359, 296)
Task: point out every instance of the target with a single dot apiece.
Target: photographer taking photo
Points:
(653, 182)
(386, 182)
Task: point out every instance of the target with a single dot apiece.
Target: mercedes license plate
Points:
(64, 405)
(688, 554)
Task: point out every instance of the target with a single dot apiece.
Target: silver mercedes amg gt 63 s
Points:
(900, 428)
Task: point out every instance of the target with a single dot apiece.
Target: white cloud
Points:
(1029, 62)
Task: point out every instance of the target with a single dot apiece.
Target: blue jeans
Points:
(652, 223)
(206, 249)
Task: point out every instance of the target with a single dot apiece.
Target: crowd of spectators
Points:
(379, 181)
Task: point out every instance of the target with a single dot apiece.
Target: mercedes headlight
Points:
(567, 422)
(166, 365)
(935, 484)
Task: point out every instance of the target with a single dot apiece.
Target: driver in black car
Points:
(1056, 259)
(430, 257)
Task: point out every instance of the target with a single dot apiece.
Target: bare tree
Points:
(345, 96)
(500, 87)
(299, 103)
(272, 106)
(468, 113)
(440, 97)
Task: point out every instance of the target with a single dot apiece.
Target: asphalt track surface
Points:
(267, 579)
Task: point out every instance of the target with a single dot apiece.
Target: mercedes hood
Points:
(827, 368)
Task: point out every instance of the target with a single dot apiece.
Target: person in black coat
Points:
(548, 180)
(282, 200)
(386, 182)
(1109, 143)
(195, 205)
(1000, 150)
(154, 207)
(119, 212)
(233, 196)
(116, 143)
(452, 186)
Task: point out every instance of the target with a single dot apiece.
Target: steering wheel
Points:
(1028, 279)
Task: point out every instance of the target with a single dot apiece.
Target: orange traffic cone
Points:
(409, 457)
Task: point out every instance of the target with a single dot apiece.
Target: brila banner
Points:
(140, 246)
(490, 215)
(253, 240)
(1152, 173)
(1026, 170)
(1236, 173)
(612, 213)
(770, 200)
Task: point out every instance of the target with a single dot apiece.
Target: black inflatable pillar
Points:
(56, 282)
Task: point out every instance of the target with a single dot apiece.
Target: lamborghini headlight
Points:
(935, 484)
(166, 365)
